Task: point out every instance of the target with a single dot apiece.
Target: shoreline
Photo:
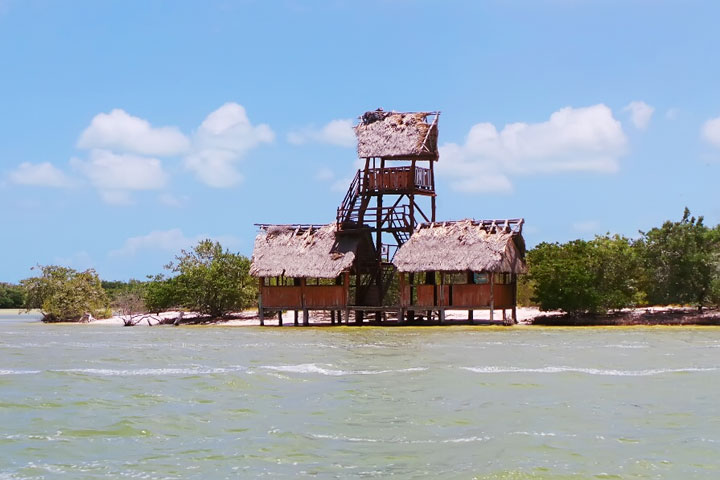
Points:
(527, 316)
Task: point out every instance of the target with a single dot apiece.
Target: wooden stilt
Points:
(295, 318)
(441, 312)
(332, 317)
(261, 312)
(306, 317)
(280, 318)
(492, 295)
(471, 320)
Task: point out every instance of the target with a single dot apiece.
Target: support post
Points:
(295, 318)
(306, 317)
(332, 317)
(280, 324)
(471, 320)
(492, 295)
(514, 307)
(261, 312)
(441, 313)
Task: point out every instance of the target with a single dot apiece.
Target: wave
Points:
(108, 372)
(591, 371)
(323, 370)
(19, 372)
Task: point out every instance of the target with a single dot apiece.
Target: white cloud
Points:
(336, 132)
(119, 131)
(108, 170)
(114, 175)
(340, 185)
(169, 240)
(711, 131)
(587, 139)
(40, 175)
(324, 174)
(587, 226)
(640, 113)
(172, 200)
(220, 142)
(172, 240)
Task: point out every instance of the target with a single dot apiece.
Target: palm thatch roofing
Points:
(397, 135)
(307, 251)
(467, 245)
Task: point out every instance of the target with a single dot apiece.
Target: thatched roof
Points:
(476, 246)
(397, 135)
(305, 251)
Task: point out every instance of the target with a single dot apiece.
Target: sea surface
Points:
(85, 401)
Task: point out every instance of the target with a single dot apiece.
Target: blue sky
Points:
(129, 130)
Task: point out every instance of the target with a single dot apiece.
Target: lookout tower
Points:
(393, 192)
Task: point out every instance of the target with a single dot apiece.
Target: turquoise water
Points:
(83, 401)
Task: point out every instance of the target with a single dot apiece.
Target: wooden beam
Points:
(261, 312)
(492, 294)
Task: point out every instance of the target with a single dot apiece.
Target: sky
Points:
(131, 130)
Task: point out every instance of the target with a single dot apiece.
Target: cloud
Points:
(172, 240)
(114, 175)
(336, 132)
(672, 113)
(587, 139)
(324, 174)
(640, 114)
(40, 175)
(586, 226)
(171, 200)
(711, 131)
(221, 141)
(121, 132)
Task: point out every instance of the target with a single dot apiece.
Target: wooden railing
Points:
(398, 179)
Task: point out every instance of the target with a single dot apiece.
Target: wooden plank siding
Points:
(459, 296)
(398, 179)
(303, 297)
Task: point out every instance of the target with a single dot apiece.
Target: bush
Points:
(213, 281)
(584, 277)
(161, 294)
(65, 295)
(11, 296)
(681, 262)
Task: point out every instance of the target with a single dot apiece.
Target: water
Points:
(79, 401)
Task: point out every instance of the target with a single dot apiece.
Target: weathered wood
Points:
(261, 312)
(280, 320)
(492, 295)
(306, 317)
(441, 314)
(332, 317)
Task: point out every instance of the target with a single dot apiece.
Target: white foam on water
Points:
(591, 371)
(324, 370)
(19, 372)
(110, 372)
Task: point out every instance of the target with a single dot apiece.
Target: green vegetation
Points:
(64, 294)
(213, 281)
(678, 263)
(11, 296)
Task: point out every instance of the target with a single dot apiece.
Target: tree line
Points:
(207, 279)
(677, 263)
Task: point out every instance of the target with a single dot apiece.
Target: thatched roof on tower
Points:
(397, 135)
(478, 246)
(306, 251)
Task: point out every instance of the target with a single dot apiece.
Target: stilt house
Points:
(308, 267)
(464, 265)
(351, 265)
